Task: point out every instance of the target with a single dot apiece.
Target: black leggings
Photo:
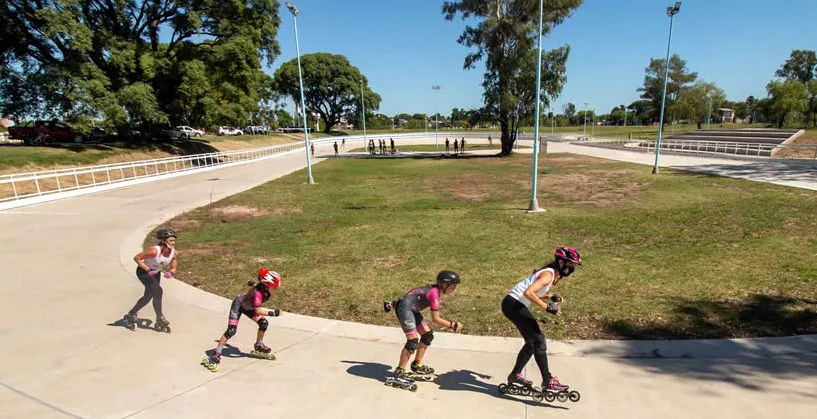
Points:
(535, 344)
(152, 291)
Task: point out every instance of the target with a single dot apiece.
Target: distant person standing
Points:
(392, 145)
(462, 145)
(447, 149)
(335, 146)
(456, 146)
(343, 144)
(312, 148)
(490, 141)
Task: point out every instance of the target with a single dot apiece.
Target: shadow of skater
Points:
(466, 380)
(229, 351)
(373, 370)
(142, 323)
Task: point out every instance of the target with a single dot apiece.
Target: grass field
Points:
(679, 255)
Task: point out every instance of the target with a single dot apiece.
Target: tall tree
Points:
(89, 60)
(331, 87)
(678, 78)
(751, 105)
(504, 35)
(569, 110)
(695, 101)
(787, 99)
(802, 66)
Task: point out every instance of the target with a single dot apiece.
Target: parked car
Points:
(54, 131)
(190, 132)
(229, 131)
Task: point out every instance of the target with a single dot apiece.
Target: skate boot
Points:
(212, 362)
(162, 325)
(262, 351)
(130, 320)
(554, 390)
(420, 372)
(518, 385)
(401, 379)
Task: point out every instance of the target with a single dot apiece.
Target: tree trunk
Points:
(506, 139)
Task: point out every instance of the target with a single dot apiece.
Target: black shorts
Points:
(409, 319)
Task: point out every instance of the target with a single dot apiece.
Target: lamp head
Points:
(292, 8)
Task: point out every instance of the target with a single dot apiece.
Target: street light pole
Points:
(363, 113)
(671, 12)
(436, 122)
(534, 203)
(294, 11)
(709, 115)
(585, 119)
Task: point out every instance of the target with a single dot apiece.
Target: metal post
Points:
(585, 119)
(709, 115)
(436, 122)
(294, 12)
(671, 11)
(363, 114)
(534, 204)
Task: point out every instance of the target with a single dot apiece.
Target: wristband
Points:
(453, 326)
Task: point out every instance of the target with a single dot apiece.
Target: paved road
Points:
(68, 278)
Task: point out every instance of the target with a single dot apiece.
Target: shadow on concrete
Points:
(742, 362)
(758, 315)
(371, 370)
(229, 351)
(141, 324)
(768, 170)
(467, 380)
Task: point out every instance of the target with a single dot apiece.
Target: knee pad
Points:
(427, 338)
(231, 329)
(411, 345)
(262, 324)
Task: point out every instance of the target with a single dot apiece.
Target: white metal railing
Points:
(750, 149)
(19, 186)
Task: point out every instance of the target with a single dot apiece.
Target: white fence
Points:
(28, 188)
(748, 149)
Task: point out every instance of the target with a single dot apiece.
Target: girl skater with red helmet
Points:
(249, 303)
(536, 289)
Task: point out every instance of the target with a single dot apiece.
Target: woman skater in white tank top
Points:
(151, 264)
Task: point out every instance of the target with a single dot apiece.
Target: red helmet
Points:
(269, 278)
(569, 254)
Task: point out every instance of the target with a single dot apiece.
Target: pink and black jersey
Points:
(421, 298)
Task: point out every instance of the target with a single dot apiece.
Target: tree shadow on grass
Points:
(701, 354)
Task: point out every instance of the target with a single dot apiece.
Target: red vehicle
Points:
(54, 132)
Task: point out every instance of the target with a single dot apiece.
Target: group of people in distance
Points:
(161, 260)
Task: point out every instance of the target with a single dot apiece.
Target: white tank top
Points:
(160, 263)
(518, 291)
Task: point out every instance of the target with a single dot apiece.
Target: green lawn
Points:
(678, 255)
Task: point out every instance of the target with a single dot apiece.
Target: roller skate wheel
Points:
(574, 396)
(413, 387)
(503, 388)
(561, 396)
(538, 397)
(549, 396)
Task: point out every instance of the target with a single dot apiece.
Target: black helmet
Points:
(448, 277)
(165, 233)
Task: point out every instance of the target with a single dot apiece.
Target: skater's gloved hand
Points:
(153, 272)
(168, 274)
(456, 326)
(274, 313)
(557, 299)
(554, 308)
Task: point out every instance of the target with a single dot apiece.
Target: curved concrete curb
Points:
(756, 348)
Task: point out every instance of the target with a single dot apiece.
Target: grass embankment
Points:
(679, 255)
(16, 158)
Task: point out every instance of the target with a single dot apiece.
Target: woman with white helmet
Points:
(151, 263)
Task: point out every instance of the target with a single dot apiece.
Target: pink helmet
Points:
(569, 254)
(270, 279)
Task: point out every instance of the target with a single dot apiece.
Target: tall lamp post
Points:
(671, 12)
(294, 11)
(363, 113)
(709, 115)
(534, 203)
(585, 119)
(436, 122)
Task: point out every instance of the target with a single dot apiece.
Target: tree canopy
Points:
(106, 62)
(678, 78)
(331, 87)
(504, 35)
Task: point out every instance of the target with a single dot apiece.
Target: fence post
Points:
(56, 176)
(108, 173)
(14, 188)
(76, 179)
(37, 182)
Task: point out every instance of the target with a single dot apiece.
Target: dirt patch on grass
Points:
(603, 188)
(468, 187)
(229, 213)
(387, 262)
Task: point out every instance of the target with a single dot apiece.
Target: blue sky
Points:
(406, 46)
